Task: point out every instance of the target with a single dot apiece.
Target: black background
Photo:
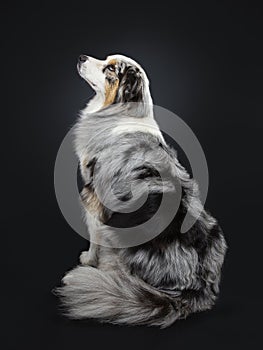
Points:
(205, 64)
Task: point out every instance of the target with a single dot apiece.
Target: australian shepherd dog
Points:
(147, 277)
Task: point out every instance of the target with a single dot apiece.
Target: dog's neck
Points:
(140, 110)
(95, 104)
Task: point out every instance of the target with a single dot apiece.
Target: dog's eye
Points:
(111, 67)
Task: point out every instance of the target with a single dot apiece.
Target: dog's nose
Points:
(83, 58)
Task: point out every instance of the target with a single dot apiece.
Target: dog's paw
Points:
(85, 259)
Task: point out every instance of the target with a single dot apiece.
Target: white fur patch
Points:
(147, 125)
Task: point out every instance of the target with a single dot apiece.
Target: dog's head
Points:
(118, 79)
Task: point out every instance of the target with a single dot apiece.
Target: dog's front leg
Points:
(94, 217)
(93, 214)
(90, 257)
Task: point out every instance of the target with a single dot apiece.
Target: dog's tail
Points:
(115, 297)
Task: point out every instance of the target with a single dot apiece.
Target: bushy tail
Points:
(114, 297)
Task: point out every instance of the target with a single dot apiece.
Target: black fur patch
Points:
(130, 86)
(91, 164)
(143, 214)
(146, 171)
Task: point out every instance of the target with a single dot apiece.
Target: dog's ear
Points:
(130, 86)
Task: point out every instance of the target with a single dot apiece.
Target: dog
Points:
(145, 277)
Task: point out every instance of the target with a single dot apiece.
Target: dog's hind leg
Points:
(210, 273)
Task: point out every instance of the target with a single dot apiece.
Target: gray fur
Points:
(116, 297)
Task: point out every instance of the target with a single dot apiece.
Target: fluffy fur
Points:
(118, 143)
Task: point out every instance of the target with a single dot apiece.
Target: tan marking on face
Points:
(113, 62)
(112, 85)
(111, 89)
